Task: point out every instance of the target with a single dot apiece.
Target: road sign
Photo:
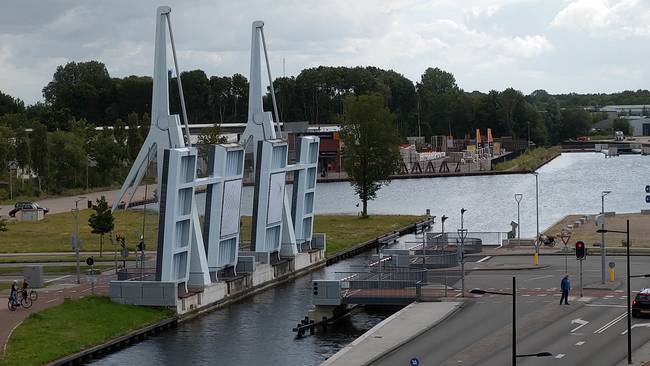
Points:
(565, 236)
(647, 199)
(124, 252)
(414, 362)
(647, 189)
(90, 261)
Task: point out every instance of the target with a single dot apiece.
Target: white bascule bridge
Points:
(200, 264)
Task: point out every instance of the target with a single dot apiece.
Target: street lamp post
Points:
(76, 240)
(537, 243)
(629, 294)
(514, 321)
(443, 219)
(602, 236)
(518, 197)
(463, 233)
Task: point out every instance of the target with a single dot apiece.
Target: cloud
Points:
(613, 18)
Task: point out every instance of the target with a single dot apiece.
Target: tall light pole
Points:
(75, 240)
(602, 236)
(462, 233)
(443, 219)
(518, 198)
(514, 320)
(629, 294)
(536, 259)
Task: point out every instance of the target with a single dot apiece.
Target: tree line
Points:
(65, 151)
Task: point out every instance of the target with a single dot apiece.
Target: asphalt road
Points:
(481, 333)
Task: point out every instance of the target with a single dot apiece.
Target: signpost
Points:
(580, 255)
(90, 261)
(565, 235)
(414, 362)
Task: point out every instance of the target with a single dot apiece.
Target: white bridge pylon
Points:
(165, 130)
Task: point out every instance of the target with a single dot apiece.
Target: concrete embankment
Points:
(393, 332)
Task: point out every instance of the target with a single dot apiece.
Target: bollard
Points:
(612, 272)
(536, 258)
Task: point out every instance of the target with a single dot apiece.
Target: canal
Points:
(257, 331)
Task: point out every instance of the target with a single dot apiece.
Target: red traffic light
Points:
(580, 250)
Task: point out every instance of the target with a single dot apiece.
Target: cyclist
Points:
(13, 295)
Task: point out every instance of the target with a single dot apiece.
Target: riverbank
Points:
(530, 160)
(586, 231)
(72, 326)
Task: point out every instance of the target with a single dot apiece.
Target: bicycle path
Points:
(47, 297)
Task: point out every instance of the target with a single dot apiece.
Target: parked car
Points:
(26, 206)
(641, 303)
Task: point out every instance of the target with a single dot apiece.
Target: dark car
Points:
(641, 303)
(26, 206)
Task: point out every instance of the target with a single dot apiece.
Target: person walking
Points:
(13, 294)
(565, 285)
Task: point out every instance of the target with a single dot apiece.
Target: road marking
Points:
(646, 325)
(484, 259)
(88, 289)
(525, 295)
(560, 355)
(608, 296)
(580, 343)
(606, 305)
(539, 278)
(56, 279)
(610, 324)
(542, 295)
(49, 301)
(578, 321)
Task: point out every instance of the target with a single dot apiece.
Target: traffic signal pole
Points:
(580, 278)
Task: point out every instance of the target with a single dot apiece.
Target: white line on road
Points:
(49, 301)
(580, 343)
(647, 325)
(560, 355)
(539, 278)
(56, 279)
(484, 259)
(606, 305)
(578, 321)
(610, 324)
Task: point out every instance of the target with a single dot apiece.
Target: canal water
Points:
(257, 331)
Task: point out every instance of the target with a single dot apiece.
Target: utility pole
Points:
(602, 236)
(75, 239)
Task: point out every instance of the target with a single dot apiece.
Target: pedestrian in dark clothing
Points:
(565, 286)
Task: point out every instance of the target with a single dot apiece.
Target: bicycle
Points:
(29, 292)
(24, 301)
(13, 305)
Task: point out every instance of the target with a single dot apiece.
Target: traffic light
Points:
(315, 284)
(580, 250)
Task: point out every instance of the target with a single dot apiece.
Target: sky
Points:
(561, 46)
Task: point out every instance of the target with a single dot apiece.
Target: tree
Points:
(9, 104)
(101, 221)
(38, 147)
(133, 140)
(623, 125)
(576, 122)
(210, 136)
(370, 149)
(84, 88)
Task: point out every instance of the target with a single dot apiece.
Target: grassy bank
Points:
(53, 233)
(56, 259)
(530, 160)
(343, 231)
(74, 326)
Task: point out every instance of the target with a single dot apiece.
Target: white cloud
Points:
(615, 18)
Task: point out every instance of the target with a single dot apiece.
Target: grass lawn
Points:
(53, 269)
(74, 326)
(529, 160)
(53, 233)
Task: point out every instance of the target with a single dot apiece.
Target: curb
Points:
(412, 337)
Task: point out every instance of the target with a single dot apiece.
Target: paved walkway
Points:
(393, 332)
(65, 204)
(47, 298)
